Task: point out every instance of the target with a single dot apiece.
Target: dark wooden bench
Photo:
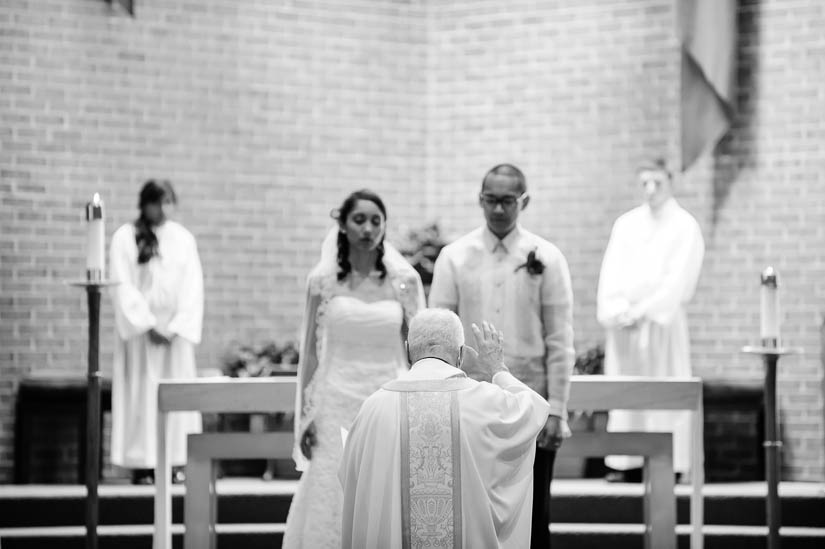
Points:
(53, 395)
(734, 430)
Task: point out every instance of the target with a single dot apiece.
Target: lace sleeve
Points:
(307, 367)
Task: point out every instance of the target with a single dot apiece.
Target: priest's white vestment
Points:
(650, 270)
(436, 459)
(165, 293)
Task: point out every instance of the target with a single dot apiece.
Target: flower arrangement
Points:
(590, 362)
(421, 247)
(241, 360)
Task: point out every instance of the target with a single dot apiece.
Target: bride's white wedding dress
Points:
(361, 350)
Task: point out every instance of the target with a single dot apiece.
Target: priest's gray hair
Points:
(435, 333)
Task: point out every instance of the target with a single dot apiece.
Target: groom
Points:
(520, 282)
(438, 459)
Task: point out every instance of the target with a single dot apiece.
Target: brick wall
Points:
(576, 93)
(266, 114)
(766, 207)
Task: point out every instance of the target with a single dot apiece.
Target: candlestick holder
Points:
(770, 350)
(93, 291)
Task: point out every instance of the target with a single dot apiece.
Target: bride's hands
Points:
(308, 440)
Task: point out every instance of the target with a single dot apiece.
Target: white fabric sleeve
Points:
(188, 319)
(517, 414)
(132, 314)
(560, 355)
(610, 299)
(443, 290)
(557, 323)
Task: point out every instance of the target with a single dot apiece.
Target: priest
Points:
(443, 456)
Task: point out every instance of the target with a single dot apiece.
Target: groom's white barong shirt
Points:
(436, 459)
(482, 277)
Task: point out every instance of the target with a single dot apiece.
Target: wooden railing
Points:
(277, 394)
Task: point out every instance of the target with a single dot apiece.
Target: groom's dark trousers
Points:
(542, 475)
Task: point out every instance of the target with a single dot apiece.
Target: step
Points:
(239, 501)
(563, 536)
(248, 536)
(251, 512)
(596, 501)
(249, 500)
(621, 536)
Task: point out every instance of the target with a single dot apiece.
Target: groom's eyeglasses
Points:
(507, 201)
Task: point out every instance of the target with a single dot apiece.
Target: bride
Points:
(360, 298)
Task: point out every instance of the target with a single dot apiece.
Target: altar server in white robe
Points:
(648, 275)
(443, 456)
(158, 304)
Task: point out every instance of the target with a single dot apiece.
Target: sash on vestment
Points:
(430, 462)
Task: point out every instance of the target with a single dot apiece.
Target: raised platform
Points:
(252, 513)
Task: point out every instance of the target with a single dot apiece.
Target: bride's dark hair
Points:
(153, 192)
(344, 267)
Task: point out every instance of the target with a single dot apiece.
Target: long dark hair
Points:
(153, 192)
(344, 267)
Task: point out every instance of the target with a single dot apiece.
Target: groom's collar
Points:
(508, 243)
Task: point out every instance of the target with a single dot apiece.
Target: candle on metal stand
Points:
(95, 240)
(771, 349)
(769, 308)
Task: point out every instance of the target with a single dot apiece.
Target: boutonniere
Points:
(533, 264)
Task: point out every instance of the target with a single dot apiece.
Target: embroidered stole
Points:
(430, 462)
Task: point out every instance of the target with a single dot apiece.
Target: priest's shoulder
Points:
(376, 402)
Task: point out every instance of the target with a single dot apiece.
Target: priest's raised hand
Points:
(488, 360)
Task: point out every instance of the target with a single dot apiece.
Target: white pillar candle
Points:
(95, 240)
(769, 308)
